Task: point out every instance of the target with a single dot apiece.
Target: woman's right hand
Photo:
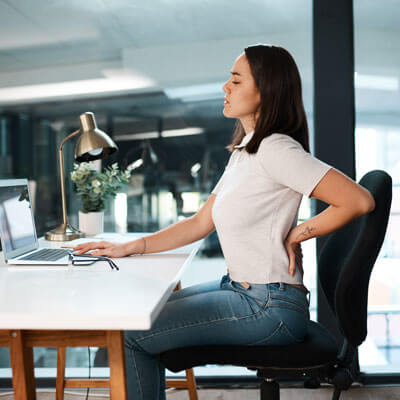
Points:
(114, 250)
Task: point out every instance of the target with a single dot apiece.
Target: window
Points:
(378, 147)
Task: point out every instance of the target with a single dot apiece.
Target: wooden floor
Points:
(356, 393)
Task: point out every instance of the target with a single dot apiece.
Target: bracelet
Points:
(144, 248)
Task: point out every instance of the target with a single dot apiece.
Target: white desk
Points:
(82, 300)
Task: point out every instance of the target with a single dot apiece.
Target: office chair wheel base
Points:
(269, 390)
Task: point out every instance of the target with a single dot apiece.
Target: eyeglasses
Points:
(88, 259)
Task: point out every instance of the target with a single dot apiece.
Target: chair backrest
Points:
(348, 256)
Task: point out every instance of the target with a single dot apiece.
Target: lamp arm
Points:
(71, 135)
(62, 179)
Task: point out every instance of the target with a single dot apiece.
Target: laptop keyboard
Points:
(46, 255)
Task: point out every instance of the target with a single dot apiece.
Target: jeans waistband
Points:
(281, 285)
(262, 291)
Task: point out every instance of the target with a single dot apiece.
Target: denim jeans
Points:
(217, 312)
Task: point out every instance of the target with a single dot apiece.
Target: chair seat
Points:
(318, 348)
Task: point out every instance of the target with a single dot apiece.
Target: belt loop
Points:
(281, 286)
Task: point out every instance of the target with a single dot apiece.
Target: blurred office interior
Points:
(152, 72)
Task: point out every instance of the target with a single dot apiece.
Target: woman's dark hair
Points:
(281, 108)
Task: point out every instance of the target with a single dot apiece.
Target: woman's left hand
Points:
(295, 255)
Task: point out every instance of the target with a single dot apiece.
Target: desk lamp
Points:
(93, 144)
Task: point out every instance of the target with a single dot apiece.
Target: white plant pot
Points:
(91, 223)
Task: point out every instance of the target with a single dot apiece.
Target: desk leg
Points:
(60, 380)
(116, 360)
(22, 367)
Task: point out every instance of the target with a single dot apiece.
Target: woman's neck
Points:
(248, 123)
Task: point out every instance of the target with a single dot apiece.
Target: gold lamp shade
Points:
(93, 143)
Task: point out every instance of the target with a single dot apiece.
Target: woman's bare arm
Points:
(176, 235)
(183, 232)
(348, 200)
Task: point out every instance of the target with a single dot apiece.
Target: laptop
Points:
(17, 228)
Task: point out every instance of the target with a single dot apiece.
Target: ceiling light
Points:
(136, 136)
(52, 91)
(154, 134)
(196, 92)
(182, 132)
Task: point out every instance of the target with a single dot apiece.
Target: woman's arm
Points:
(176, 235)
(180, 233)
(348, 201)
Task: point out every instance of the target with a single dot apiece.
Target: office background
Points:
(152, 73)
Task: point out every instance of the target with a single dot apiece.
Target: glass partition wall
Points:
(171, 128)
(377, 72)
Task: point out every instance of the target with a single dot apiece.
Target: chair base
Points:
(270, 390)
(340, 378)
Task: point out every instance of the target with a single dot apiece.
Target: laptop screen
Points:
(17, 227)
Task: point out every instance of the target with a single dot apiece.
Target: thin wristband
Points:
(144, 248)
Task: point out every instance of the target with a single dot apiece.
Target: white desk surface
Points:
(91, 297)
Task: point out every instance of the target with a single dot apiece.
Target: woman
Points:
(253, 207)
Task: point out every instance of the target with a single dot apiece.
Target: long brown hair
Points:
(281, 108)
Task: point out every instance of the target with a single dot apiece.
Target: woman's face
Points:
(242, 96)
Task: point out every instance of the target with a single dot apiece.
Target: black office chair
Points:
(344, 269)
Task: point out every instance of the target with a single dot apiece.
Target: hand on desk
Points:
(114, 250)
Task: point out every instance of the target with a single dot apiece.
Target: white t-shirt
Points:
(256, 205)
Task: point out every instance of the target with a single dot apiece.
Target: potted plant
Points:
(95, 188)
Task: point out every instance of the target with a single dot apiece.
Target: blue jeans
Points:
(217, 312)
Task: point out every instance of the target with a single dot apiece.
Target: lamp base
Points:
(64, 233)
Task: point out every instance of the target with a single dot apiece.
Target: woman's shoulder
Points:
(278, 141)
